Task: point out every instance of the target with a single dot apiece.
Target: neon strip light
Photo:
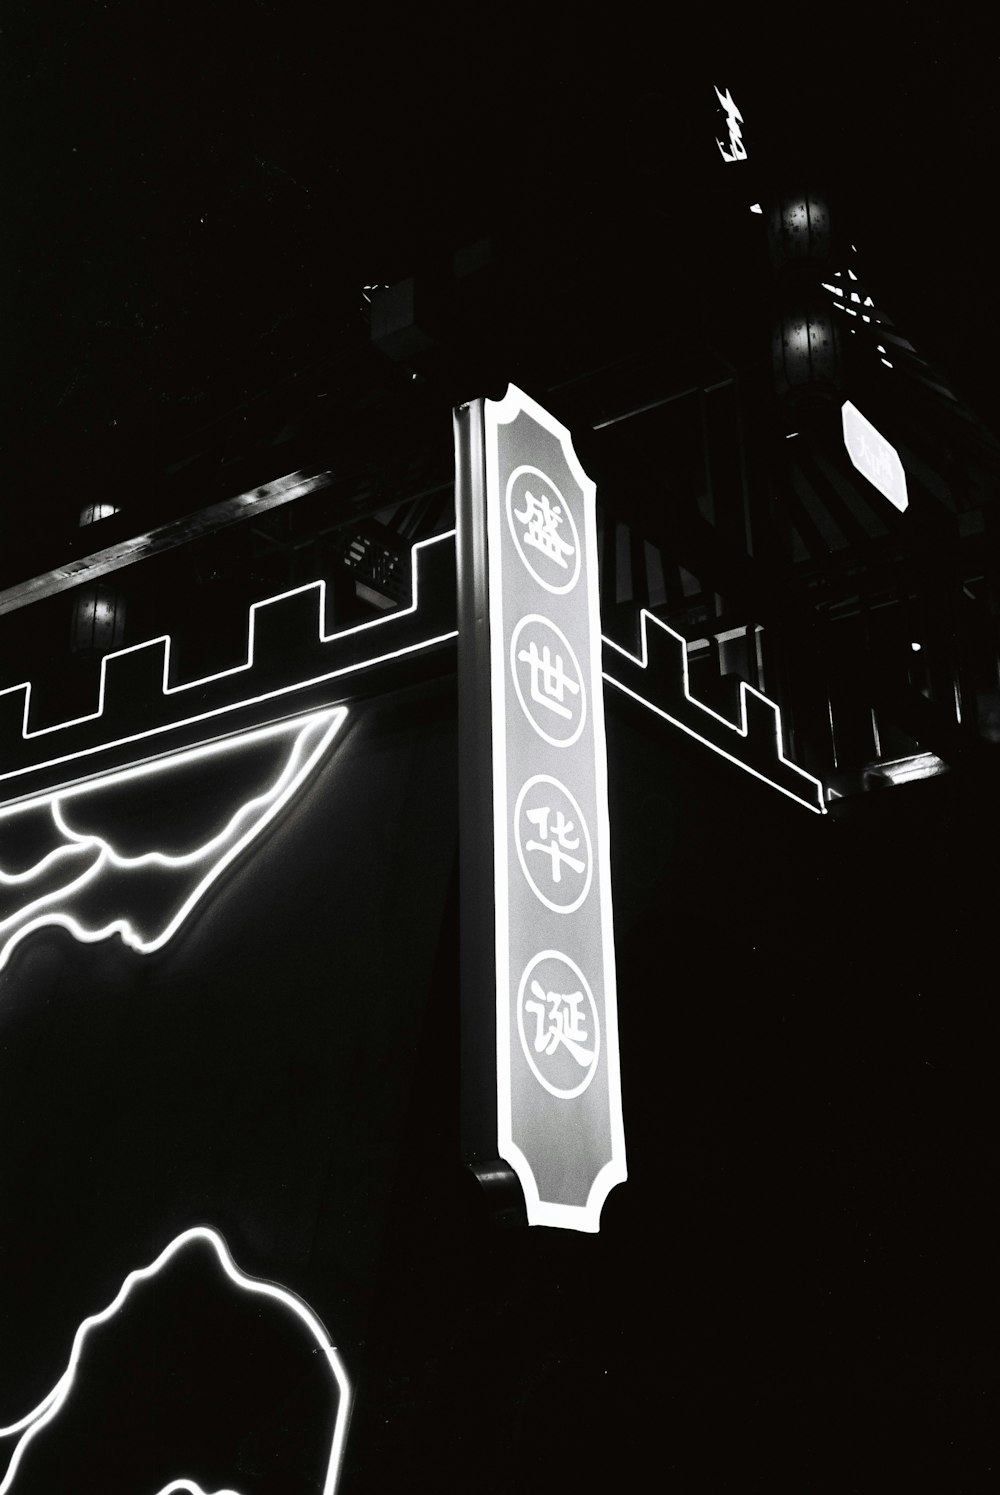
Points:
(50, 1406)
(314, 734)
(740, 731)
(191, 1487)
(359, 629)
(193, 685)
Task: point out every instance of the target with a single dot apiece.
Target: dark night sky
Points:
(194, 193)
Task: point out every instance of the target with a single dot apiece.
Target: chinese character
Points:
(557, 845)
(563, 1024)
(542, 519)
(733, 121)
(866, 453)
(882, 465)
(549, 681)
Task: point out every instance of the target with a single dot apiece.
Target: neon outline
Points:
(172, 690)
(51, 1404)
(192, 1487)
(585, 1217)
(298, 765)
(741, 730)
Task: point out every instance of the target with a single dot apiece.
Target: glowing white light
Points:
(874, 457)
(739, 731)
(368, 628)
(855, 296)
(537, 531)
(582, 1028)
(915, 647)
(50, 1406)
(93, 513)
(583, 863)
(313, 735)
(12, 879)
(737, 150)
(755, 207)
(908, 770)
(191, 1487)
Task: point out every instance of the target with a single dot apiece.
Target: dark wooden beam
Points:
(137, 547)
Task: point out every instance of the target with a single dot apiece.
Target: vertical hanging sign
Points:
(539, 999)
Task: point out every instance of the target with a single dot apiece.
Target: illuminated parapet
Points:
(292, 666)
(658, 679)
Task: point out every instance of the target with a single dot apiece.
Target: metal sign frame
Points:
(542, 1086)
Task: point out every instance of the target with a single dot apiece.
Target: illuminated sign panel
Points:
(874, 457)
(558, 1091)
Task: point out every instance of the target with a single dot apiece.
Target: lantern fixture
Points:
(806, 354)
(97, 625)
(799, 232)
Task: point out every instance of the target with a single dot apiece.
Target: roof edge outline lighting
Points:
(222, 703)
(31, 763)
(32, 1423)
(657, 677)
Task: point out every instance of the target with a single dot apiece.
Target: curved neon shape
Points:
(191, 1487)
(9, 778)
(314, 734)
(49, 1407)
(14, 879)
